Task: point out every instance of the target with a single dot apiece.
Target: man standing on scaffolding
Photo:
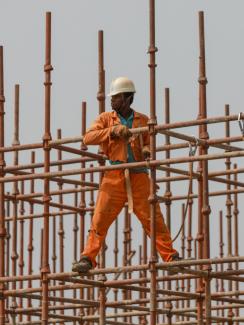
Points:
(111, 131)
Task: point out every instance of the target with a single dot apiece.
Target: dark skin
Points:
(121, 105)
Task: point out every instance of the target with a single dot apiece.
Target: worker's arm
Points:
(98, 133)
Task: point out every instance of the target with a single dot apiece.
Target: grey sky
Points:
(125, 24)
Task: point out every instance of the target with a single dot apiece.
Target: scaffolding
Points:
(197, 290)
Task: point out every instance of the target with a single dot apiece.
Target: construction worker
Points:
(111, 131)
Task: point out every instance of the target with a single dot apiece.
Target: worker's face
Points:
(117, 102)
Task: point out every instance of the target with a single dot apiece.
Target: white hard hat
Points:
(121, 85)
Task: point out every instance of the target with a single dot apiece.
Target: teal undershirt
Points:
(130, 158)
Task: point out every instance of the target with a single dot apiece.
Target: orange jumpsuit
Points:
(112, 193)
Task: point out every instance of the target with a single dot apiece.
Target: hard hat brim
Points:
(125, 90)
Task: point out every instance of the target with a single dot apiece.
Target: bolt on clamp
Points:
(193, 147)
(241, 123)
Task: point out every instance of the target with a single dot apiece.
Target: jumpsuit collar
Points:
(136, 118)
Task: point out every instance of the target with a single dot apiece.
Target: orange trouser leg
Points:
(110, 201)
(141, 189)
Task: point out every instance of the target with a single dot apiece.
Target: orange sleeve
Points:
(98, 133)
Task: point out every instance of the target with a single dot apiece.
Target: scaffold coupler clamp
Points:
(152, 262)
(241, 123)
(45, 270)
(193, 147)
(2, 288)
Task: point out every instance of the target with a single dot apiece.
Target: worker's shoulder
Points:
(106, 115)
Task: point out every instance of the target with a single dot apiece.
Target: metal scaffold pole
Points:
(151, 125)
(2, 187)
(45, 268)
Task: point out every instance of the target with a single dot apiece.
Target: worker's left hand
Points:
(120, 131)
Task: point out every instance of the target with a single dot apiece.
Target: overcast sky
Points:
(125, 24)
(75, 26)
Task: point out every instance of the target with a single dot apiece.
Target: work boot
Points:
(83, 266)
(176, 257)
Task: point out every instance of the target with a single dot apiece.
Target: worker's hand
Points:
(120, 131)
(146, 152)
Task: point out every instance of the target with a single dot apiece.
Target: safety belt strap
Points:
(128, 190)
(128, 183)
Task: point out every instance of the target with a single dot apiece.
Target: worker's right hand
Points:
(120, 131)
(146, 152)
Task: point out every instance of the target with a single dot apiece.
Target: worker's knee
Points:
(99, 233)
(100, 224)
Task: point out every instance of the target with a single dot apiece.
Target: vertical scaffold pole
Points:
(205, 209)
(15, 192)
(101, 73)
(82, 178)
(116, 256)
(152, 198)
(75, 241)
(200, 288)
(46, 197)
(221, 255)
(143, 320)
(21, 243)
(183, 238)
(2, 210)
(82, 194)
(30, 240)
(189, 241)
(101, 101)
(229, 204)
(168, 193)
(7, 254)
(91, 291)
(61, 232)
(236, 234)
